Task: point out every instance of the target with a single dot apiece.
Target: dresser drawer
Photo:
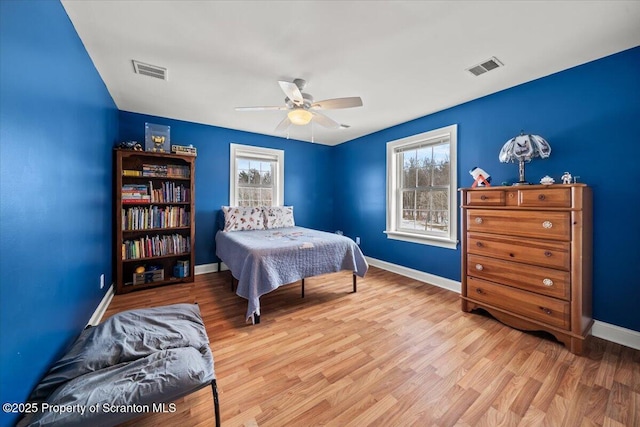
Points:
(545, 197)
(547, 281)
(545, 253)
(485, 198)
(537, 224)
(537, 307)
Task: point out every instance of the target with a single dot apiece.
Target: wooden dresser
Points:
(527, 257)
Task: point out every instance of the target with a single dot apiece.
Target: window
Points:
(257, 176)
(421, 188)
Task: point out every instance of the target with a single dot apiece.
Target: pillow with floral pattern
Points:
(238, 218)
(278, 217)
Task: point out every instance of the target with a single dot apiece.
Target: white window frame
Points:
(394, 171)
(257, 153)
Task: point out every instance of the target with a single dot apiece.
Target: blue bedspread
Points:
(263, 260)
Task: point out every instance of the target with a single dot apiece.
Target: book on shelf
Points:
(148, 247)
(138, 218)
(169, 171)
(131, 172)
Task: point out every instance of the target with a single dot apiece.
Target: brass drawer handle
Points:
(541, 197)
(547, 282)
(483, 197)
(478, 220)
(480, 291)
(479, 244)
(547, 254)
(547, 224)
(546, 311)
(479, 267)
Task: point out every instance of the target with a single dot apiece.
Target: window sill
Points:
(423, 240)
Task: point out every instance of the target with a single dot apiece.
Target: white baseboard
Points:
(606, 331)
(616, 334)
(209, 268)
(432, 279)
(102, 307)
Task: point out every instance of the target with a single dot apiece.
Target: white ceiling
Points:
(405, 59)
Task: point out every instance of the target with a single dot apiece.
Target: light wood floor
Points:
(397, 353)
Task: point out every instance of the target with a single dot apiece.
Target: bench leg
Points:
(219, 266)
(303, 288)
(216, 403)
(256, 318)
(355, 288)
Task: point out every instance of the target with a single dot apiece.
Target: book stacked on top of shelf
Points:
(131, 172)
(135, 193)
(169, 171)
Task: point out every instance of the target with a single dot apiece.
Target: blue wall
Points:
(57, 126)
(308, 179)
(591, 117)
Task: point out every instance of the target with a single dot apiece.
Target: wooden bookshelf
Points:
(154, 219)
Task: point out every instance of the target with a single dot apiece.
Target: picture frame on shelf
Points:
(157, 138)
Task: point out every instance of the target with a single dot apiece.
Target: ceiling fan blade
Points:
(284, 124)
(335, 103)
(292, 92)
(260, 108)
(325, 121)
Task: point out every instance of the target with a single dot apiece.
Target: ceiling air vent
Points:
(488, 65)
(150, 70)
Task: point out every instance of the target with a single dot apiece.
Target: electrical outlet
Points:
(357, 240)
(102, 281)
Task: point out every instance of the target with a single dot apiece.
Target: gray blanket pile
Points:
(131, 364)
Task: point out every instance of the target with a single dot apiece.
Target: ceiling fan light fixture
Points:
(299, 116)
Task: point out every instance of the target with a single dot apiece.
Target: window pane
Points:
(243, 164)
(408, 199)
(254, 176)
(441, 165)
(266, 196)
(265, 177)
(422, 220)
(409, 168)
(439, 220)
(424, 176)
(243, 177)
(408, 219)
(423, 200)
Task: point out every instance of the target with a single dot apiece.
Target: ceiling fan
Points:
(302, 109)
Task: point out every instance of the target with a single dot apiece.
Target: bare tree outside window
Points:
(255, 183)
(424, 188)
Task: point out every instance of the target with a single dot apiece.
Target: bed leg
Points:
(256, 318)
(355, 288)
(303, 288)
(216, 403)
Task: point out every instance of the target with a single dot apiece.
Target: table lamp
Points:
(523, 148)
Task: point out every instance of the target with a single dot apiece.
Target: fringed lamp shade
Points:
(523, 148)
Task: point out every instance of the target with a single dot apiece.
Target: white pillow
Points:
(242, 218)
(278, 217)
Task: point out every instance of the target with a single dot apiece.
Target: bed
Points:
(263, 259)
